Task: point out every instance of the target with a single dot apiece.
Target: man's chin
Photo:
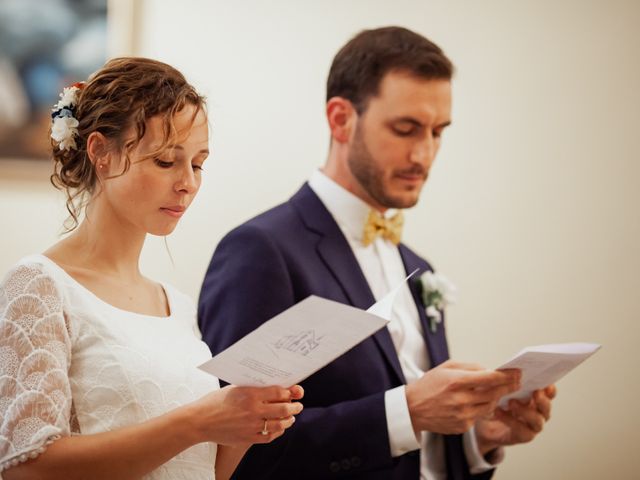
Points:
(403, 196)
(402, 201)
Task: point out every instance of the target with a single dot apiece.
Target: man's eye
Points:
(197, 168)
(403, 132)
(163, 164)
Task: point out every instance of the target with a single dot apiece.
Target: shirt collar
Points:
(349, 211)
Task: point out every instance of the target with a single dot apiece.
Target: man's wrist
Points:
(492, 456)
(485, 447)
(480, 462)
(408, 392)
(402, 437)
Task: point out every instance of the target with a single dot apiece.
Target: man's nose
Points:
(424, 152)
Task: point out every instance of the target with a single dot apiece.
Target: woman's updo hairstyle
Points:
(123, 94)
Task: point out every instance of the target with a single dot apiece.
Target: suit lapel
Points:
(455, 458)
(436, 341)
(334, 250)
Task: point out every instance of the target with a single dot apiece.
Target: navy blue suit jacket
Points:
(269, 264)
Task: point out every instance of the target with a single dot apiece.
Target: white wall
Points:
(532, 207)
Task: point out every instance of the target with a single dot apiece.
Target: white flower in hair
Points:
(68, 98)
(63, 131)
(64, 126)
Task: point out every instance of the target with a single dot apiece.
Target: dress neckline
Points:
(66, 274)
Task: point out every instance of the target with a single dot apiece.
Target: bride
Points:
(98, 374)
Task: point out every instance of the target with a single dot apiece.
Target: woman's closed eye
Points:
(163, 163)
(166, 164)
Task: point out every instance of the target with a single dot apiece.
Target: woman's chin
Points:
(162, 230)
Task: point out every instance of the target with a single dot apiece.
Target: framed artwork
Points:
(44, 46)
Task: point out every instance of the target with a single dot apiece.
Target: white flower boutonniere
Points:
(437, 293)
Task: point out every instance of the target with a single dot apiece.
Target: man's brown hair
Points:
(359, 67)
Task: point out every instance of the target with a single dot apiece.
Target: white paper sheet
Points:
(543, 365)
(294, 344)
(384, 306)
(299, 341)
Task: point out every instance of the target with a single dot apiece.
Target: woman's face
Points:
(155, 192)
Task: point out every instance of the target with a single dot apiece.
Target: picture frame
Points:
(45, 46)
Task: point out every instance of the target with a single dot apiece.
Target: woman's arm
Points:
(232, 416)
(227, 459)
(126, 453)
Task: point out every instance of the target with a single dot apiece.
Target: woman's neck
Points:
(104, 244)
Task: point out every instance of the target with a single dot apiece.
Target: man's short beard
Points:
(369, 176)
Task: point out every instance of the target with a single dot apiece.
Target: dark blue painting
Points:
(44, 46)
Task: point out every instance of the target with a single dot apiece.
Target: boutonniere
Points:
(437, 292)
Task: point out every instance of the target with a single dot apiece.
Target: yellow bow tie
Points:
(376, 224)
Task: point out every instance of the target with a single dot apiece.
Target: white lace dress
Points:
(72, 364)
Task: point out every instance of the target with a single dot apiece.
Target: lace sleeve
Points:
(35, 352)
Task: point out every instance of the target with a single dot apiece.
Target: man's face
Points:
(396, 139)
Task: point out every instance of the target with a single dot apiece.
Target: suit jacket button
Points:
(356, 462)
(334, 467)
(345, 464)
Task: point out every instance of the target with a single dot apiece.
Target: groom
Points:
(393, 407)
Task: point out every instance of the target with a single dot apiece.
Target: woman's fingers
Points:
(281, 410)
(278, 394)
(273, 428)
(297, 392)
(278, 424)
(275, 394)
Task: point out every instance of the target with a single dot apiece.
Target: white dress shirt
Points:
(382, 266)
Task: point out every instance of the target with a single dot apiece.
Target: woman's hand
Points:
(231, 416)
(241, 415)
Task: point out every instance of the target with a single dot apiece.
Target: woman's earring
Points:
(100, 172)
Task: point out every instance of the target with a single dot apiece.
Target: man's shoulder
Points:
(279, 225)
(277, 220)
(414, 260)
(273, 217)
(288, 217)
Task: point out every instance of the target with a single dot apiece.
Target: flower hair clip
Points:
(64, 125)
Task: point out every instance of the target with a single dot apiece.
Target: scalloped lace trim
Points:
(23, 457)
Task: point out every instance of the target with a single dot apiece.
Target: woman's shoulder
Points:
(37, 261)
(31, 270)
(183, 308)
(181, 304)
(31, 295)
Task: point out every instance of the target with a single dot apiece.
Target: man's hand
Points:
(451, 397)
(520, 423)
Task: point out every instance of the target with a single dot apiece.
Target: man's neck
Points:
(337, 169)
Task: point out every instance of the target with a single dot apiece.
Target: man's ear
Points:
(98, 151)
(342, 117)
